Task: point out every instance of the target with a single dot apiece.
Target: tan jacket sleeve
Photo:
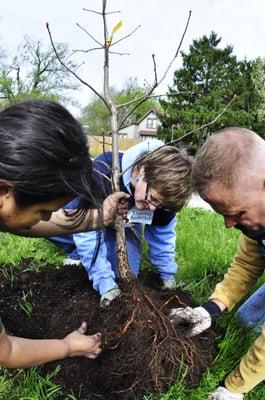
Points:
(247, 265)
(251, 369)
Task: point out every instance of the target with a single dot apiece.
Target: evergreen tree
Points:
(257, 84)
(209, 78)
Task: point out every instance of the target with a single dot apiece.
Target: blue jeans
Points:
(252, 312)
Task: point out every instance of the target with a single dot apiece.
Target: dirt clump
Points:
(143, 352)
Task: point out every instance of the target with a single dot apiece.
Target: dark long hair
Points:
(44, 154)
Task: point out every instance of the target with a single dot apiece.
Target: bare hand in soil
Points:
(221, 393)
(115, 204)
(80, 344)
(195, 320)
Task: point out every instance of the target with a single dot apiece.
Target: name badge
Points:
(135, 215)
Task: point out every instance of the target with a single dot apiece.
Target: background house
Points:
(144, 128)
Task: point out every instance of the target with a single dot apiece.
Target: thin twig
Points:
(178, 49)
(157, 83)
(119, 54)
(72, 72)
(92, 11)
(100, 13)
(155, 69)
(89, 34)
(149, 97)
(102, 174)
(125, 37)
(86, 51)
(202, 126)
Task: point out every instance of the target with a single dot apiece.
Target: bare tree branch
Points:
(86, 51)
(150, 97)
(177, 52)
(99, 141)
(119, 54)
(92, 11)
(125, 37)
(112, 12)
(155, 70)
(157, 83)
(100, 13)
(72, 72)
(102, 174)
(89, 34)
(205, 125)
(78, 66)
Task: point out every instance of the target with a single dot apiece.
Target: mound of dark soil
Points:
(143, 351)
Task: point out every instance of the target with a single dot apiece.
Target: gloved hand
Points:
(168, 284)
(109, 296)
(71, 261)
(196, 320)
(221, 393)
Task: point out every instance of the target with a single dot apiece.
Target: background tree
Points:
(35, 72)
(97, 117)
(257, 87)
(209, 78)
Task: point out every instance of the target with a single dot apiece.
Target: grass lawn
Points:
(204, 251)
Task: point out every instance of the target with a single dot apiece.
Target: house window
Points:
(151, 123)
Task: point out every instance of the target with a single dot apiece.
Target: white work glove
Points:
(221, 393)
(196, 320)
(168, 284)
(71, 261)
(109, 296)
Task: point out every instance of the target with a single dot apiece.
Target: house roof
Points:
(152, 110)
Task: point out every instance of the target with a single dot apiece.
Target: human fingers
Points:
(94, 355)
(83, 328)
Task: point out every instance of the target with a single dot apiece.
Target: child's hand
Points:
(79, 344)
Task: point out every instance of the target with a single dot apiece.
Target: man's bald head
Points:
(232, 157)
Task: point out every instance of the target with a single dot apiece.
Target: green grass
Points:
(204, 251)
(14, 248)
(27, 385)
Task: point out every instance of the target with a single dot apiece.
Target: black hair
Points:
(44, 154)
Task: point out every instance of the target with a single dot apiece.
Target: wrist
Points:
(213, 309)
(65, 348)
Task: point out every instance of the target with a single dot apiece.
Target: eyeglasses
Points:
(153, 202)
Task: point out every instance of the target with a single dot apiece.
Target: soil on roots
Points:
(143, 352)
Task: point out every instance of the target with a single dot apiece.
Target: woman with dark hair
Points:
(44, 163)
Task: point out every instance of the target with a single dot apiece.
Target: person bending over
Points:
(159, 184)
(44, 163)
(229, 175)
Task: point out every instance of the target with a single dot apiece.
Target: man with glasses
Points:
(159, 183)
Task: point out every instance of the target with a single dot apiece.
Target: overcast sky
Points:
(239, 23)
